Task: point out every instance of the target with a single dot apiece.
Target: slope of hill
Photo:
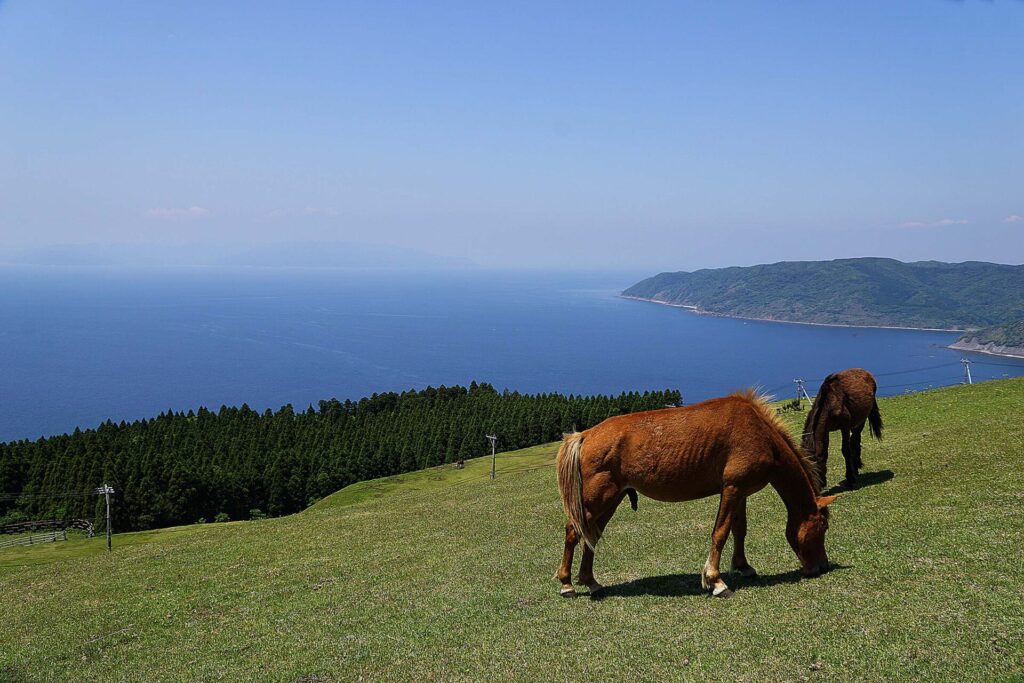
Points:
(237, 462)
(1001, 340)
(447, 575)
(858, 291)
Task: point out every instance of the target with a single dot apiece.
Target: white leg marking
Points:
(704, 575)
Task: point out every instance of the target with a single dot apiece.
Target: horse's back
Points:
(678, 453)
(857, 379)
(858, 387)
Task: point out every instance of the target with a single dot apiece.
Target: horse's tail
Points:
(570, 486)
(875, 420)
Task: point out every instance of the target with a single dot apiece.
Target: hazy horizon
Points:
(318, 255)
(654, 138)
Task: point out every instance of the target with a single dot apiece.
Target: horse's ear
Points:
(825, 501)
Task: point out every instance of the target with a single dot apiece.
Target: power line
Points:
(493, 439)
(926, 381)
(105, 491)
(11, 495)
(1001, 365)
(907, 372)
(801, 392)
(8, 496)
(776, 390)
(912, 370)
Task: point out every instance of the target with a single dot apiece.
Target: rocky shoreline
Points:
(965, 343)
(991, 348)
(701, 311)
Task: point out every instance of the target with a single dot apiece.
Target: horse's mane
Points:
(816, 412)
(760, 403)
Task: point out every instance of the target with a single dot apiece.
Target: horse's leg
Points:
(711, 578)
(586, 575)
(739, 533)
(855, 442)
(850, 458)
(564, 574)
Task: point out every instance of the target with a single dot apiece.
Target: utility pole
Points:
(105, 491)
(801, 392)
(967, 370)
(493, 439)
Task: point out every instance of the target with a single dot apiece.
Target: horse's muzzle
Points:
(817, 570)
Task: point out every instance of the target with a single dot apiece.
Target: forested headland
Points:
(1001, 340)
(855, 291)
(238, 463)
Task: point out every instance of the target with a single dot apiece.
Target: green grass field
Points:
(446, 575)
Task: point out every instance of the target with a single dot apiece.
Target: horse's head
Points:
(807, 538)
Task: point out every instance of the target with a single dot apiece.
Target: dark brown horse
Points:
(845, 401)
(732, 446)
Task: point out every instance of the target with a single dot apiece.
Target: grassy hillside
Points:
(446, 575)
(858, 291)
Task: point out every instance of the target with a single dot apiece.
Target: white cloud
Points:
(174, 212)
(1014, 219)
(936, 224)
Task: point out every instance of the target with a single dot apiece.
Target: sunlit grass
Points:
(447, 575)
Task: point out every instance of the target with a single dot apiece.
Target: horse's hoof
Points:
(747, 572)
(722, 592)
(567, 592)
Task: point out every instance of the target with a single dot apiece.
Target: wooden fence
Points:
(48, 525)
(35, 538)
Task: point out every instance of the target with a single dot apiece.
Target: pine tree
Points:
(178, 467)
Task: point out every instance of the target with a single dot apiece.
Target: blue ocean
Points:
(79, 346)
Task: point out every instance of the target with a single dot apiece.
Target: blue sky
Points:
(635, 135)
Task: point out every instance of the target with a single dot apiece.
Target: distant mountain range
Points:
(324, 254)
(858, 291)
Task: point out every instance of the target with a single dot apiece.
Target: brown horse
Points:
(732, 446)
(845, 401)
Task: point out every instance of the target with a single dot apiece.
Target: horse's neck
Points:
(810, 425)
(794, 487)
(820, 436)
(816, 425)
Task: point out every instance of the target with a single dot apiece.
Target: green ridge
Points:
(857, 291)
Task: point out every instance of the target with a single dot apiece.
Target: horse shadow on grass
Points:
(864, 480)
(681, 585)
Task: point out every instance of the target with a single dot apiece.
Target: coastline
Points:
(699, 311)
(984, 348)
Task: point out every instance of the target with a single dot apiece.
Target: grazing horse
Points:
(732, 446)
(845, 401)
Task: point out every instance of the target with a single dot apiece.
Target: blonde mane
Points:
(760, 403)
